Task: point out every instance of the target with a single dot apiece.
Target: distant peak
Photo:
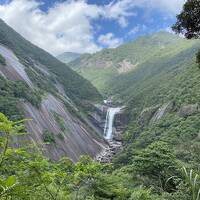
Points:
(164, 34)
(69, 53)
(68, 57)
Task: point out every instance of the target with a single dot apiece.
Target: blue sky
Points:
(87, 25)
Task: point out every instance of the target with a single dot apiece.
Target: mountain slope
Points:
(28, 53)
(67, 57)
(163, 105)
(36, 85)
(161, 94)
(102, 67)
(164, 64)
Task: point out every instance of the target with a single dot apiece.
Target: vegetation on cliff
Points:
(2, 60)
(75, 86)
(10, 94)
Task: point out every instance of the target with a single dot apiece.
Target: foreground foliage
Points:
(26, 174)
(152, 174)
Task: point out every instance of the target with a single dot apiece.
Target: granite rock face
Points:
(72, 139)
(188, 110)
(147, 114)
(120, 122)
(162, 111)
(98, 116)
(70, 135)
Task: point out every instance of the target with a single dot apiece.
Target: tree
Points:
(188, 22)
(157, 164)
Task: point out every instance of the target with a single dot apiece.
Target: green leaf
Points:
(11, 180)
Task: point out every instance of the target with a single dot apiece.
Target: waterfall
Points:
(108, 129)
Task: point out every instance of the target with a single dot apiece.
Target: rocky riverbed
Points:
(107, 154)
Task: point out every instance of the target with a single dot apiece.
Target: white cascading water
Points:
(108, 129)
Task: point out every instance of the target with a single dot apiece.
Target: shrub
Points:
(142, 194)
(60, 136)
(58, 118)
(48, 137)
(157, 163)
(2, 60)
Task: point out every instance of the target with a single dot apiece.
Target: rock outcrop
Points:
(153, 114)
(107, 154)
(120, 123)
(147, 114)
(162, 111)
(98, 116)
(188, 110)
(72, 138)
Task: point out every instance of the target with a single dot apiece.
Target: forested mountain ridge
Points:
(101, 68)
(35, 85)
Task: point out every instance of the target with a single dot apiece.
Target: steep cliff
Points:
(36, 85)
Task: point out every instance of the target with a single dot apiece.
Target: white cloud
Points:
(137, 29)
(67, 26)
(121, 10)
(171, 7)
(109, 40)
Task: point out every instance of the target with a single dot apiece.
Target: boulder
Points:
(188, 110)
(117, 136)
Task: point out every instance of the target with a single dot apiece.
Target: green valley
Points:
(101, 68)
(121, 123)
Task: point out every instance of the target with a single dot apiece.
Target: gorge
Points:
(59, 138)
